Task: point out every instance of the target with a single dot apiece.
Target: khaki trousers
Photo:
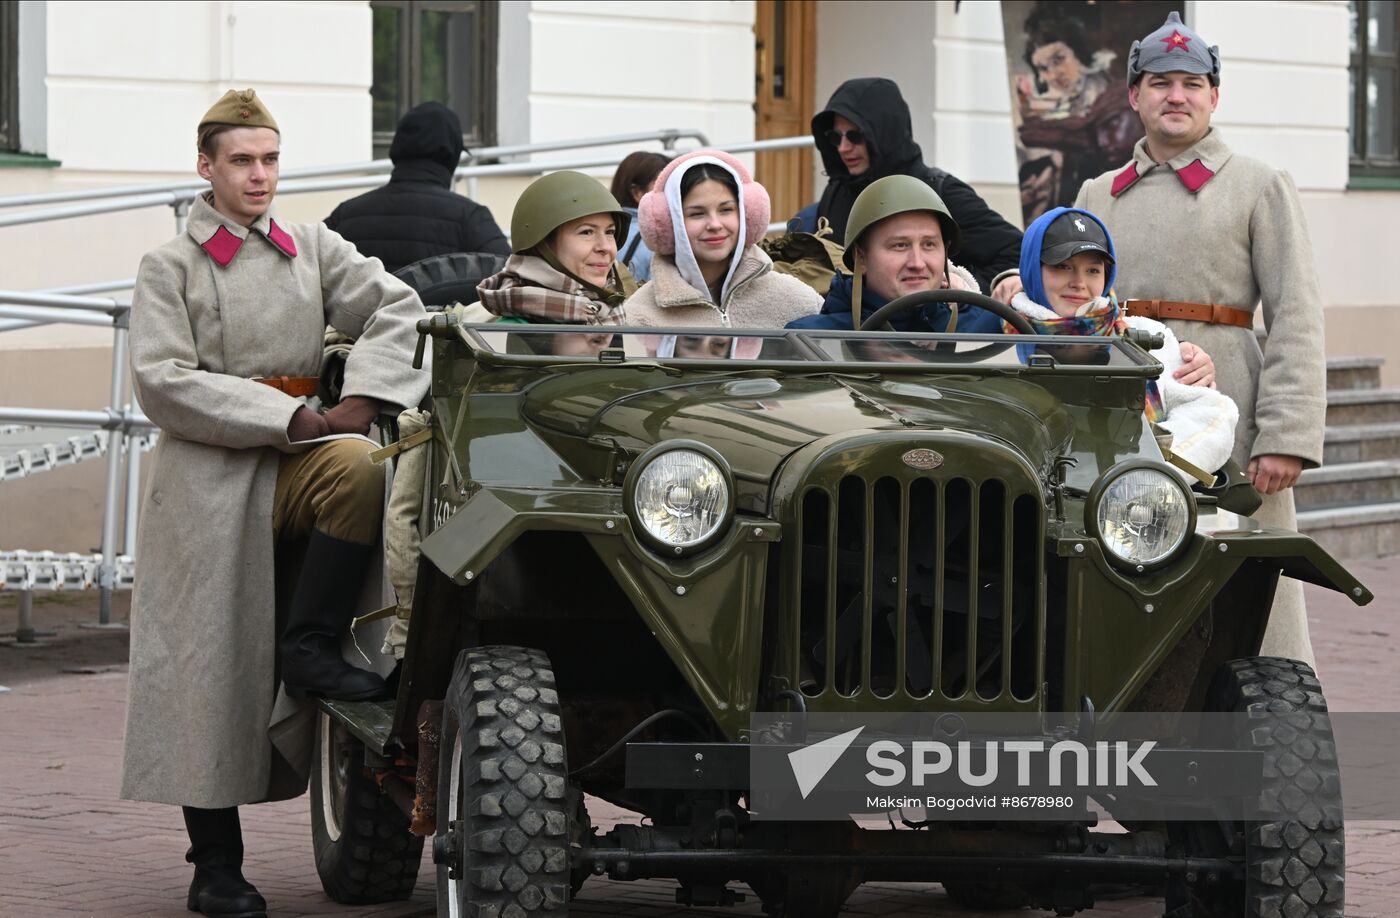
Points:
(334, 488)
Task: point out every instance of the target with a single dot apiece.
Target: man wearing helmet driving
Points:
(899, 239)
(1203, 236)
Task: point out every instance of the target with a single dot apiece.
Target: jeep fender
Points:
(706, 611)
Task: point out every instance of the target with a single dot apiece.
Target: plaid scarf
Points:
(528, 288)
(1097, 318)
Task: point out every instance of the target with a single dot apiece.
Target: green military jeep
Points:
(634, 542)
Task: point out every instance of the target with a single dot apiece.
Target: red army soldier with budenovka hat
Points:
(1203, 236)
(227, 330)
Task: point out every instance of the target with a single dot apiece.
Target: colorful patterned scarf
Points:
(1098, 318)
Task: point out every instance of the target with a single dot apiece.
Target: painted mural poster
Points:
(1067, 63)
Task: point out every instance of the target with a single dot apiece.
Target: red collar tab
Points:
(281, 238)
(1194, 176)
(222, 246)
(1124, 180)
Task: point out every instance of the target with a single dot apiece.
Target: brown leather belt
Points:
(294, 386)
(1193, 312)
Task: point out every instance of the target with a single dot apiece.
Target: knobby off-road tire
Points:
(1295, 867)
(365, 853)
(503, 798)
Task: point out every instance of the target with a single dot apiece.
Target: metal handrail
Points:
(63, 301)
(186, 192)
(23, 309)
(26, 316)
(98, 287)
(667, 137)
(119, 419)
(61, 417)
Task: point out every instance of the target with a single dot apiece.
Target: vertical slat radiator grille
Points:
(921, 586)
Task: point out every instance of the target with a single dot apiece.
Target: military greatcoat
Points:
(1209, 226)
(214, 308)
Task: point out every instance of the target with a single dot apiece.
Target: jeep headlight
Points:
(679, 496)
(1142, 514)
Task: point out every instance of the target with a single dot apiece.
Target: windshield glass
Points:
(637, 345)
(896, 350)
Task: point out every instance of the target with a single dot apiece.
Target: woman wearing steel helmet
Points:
(564, 235)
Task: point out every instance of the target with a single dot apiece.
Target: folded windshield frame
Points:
(821, 351)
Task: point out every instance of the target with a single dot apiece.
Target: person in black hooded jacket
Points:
(418, 215)
(876, 139)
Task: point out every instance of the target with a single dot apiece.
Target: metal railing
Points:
(120, 419)
(74, 305)
(179, 195)
(667, 138)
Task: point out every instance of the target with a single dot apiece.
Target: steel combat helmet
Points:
(1173, 48)
(555, 199)
(885, 198)
(892, 195)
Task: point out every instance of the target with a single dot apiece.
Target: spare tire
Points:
(453, 278)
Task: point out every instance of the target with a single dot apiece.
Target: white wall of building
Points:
(1283, 83)
(973, 104)
(598, 68)
(127, 81)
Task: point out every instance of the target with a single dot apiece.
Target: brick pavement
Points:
(69, 847)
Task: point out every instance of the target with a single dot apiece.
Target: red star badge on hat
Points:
(1176, 40)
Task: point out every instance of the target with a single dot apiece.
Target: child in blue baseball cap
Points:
(1067, 271)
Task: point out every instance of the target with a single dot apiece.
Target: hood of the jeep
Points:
(756, 421)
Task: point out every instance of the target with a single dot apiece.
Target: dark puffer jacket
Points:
(989, 244)
(418, 215)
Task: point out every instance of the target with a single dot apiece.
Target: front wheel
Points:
(503, 803)
(365, 853)
(1295, 865)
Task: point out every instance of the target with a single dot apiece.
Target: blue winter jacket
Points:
(640, 262)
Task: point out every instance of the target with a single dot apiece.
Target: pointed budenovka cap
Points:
(1173, 47)
(241, 108)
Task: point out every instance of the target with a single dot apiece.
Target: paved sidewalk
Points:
(69, 847)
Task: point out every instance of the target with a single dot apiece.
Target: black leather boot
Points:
(216, 851)
(322, 606)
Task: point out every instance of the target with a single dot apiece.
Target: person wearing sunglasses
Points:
(865, 134)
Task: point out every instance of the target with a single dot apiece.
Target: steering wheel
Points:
(912, 301)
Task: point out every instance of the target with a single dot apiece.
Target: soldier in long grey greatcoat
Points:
(227, 330)
(1203, 236)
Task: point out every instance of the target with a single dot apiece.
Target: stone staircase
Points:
(1351, 505)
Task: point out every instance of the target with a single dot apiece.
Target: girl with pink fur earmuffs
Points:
(703, 219)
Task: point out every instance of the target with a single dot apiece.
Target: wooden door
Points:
(785, 39)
